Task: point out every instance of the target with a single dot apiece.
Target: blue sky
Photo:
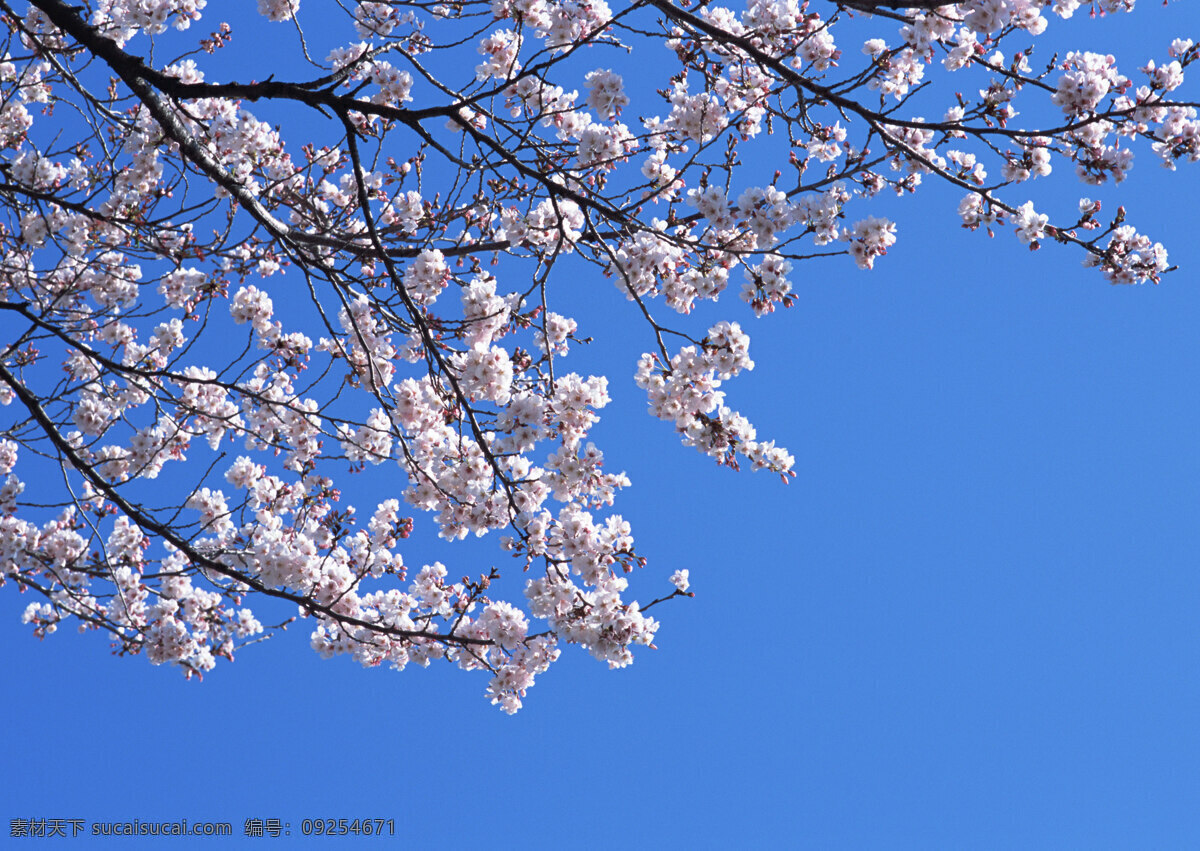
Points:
(971, 620)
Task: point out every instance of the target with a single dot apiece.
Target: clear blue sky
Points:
(986, 628)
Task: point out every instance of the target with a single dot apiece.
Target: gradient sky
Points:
(972, 620)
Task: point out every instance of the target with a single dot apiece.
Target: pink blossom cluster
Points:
(685, 391)
(606, 93)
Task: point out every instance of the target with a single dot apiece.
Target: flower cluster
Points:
(685, 391)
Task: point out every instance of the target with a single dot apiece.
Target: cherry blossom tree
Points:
(220, 297)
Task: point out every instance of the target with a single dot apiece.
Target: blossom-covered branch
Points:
(333, 281)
